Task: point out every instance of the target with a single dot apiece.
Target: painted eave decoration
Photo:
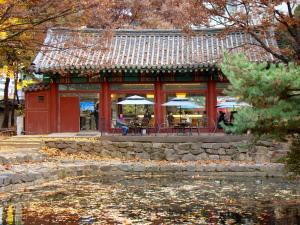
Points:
(36, 87)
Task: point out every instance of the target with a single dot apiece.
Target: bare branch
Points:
(268, 49)
(290, 9)
(5, 14)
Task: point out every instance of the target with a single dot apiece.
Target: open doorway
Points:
(89, 112)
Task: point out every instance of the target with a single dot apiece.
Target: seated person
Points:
(186, 119)
(170, 119)
(120, 123)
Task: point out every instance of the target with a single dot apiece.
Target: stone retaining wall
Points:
(263, 151)
(20, 176)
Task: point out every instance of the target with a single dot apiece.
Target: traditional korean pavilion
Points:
(87, 72)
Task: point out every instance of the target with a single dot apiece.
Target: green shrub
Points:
(293, 157)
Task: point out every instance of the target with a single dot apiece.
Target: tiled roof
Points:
(69, 50)
(36, 87)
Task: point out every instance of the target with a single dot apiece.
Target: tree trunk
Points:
(12, 115)
(6, 104)
(12, 118)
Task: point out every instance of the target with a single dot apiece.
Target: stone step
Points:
(46, 171)
(5, 145)
(16, 150)
(17, 157)
(18, 141)
(26, 137)
(21, 141)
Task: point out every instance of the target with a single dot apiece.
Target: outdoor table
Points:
(181, 127)
(138, 128)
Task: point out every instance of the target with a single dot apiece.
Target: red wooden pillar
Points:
(53, 109)
(158, 97)
(211, 104)
(105, 102)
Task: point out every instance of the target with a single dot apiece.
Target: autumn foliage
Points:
(23, 24)
(257, 18)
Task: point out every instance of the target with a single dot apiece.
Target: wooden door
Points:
(69, 114)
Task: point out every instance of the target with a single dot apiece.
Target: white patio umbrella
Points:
(135, 100)
(232, 104)
(194, 106)
(182, 103)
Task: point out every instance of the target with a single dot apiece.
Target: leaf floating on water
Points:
(153, 200)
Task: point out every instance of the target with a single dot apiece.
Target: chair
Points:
(181, 128)
(144, 125)
(145, 122)
(159, 127)
(115, 129)
(215, 126)
(134, 127)
(197, 127)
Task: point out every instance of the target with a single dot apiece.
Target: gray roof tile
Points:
(67, 49)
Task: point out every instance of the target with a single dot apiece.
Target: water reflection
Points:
(155, 200)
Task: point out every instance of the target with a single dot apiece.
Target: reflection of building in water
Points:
(18, 214)
(86, 220)
(287, 214)
(240, 212)
(11, 215)
(238, 218)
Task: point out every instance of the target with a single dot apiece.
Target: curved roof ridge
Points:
(142, 31)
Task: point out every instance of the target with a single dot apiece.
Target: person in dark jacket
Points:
(96, 115)
(147, 115)
(221, 119)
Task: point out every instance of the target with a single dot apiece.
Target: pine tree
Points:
(273, 91)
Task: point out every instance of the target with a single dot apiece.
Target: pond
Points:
(156, 199)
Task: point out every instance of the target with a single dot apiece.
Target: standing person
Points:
(96, 115)
(221, 119)
(147, 115)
